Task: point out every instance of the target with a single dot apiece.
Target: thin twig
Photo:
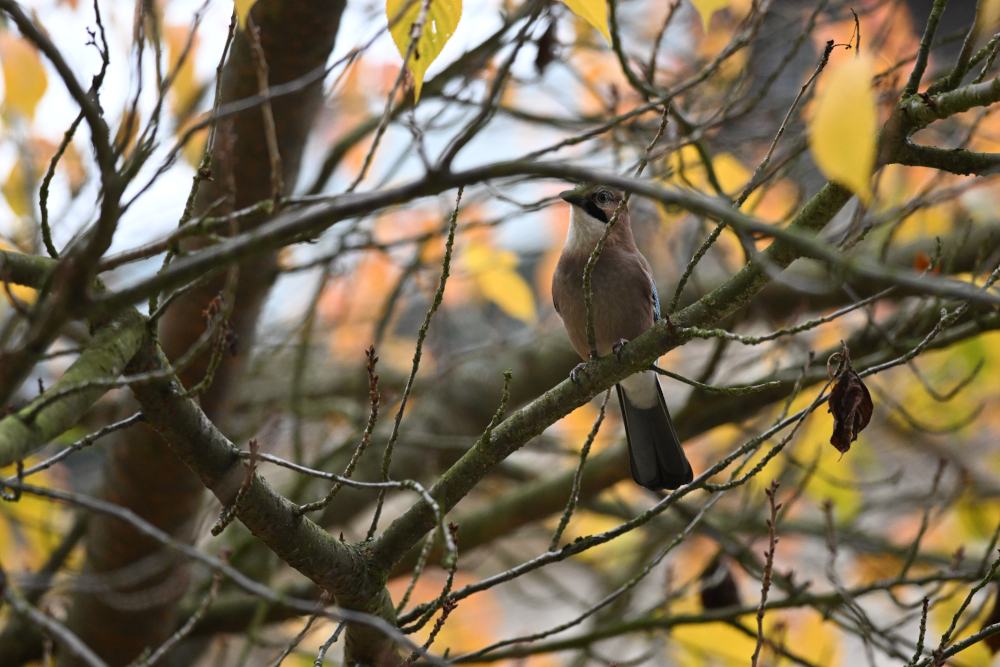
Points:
(297, 639)
(188, 626)
(416, 31)
(755, 181)
(229, 512)
(418, 569)
(924, 50)
(86, 441)
(607, 599)
(712, 389)
(765, 584)
(451, 563)
(218, 565)
(923, 631)
(270, 133)
(446, 608)
(578, 477)
(321, 654)
(588, 270)
(651, 67)
(373, 396)
(43, 191)
(50, 626)
(947, 636)
(762, 167)
(417, 353)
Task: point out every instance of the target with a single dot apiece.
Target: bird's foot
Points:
(618, 347)
(574, 375)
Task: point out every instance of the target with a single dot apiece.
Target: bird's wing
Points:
(656, 300)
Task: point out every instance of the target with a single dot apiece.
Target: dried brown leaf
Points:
(850, 403)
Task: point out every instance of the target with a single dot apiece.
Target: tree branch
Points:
(103, 359)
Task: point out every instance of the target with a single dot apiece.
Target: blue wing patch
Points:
(656, 300)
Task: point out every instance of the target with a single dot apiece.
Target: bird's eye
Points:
(603, 198)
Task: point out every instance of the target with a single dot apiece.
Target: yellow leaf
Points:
(25, 295)
(28, 531)
(988, 14)
(689, 171)
(732, 174)
(594, 12)
(714, 644)
(242, 8)
(23, 75)
(22, 293)
(194, 149)
(508, 290)
(708, 7)
(499, 282)
(442, 20)
(479, 258)
(842, 132)
(15, 190)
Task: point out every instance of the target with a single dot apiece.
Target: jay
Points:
(625, 304)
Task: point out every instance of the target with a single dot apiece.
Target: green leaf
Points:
(594, 12)
(442, 20)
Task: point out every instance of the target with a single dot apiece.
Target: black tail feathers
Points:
(655, 454)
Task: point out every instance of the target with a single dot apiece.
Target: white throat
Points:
(584, 230)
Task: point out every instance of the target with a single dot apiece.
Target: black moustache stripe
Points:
(595, 211)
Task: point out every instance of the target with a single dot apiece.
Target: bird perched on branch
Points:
(625, 304)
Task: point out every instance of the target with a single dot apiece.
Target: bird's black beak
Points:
(573, 198)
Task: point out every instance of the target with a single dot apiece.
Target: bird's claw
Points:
(618, 347)
(574, 375)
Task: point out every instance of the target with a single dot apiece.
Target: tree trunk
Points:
(142, 474)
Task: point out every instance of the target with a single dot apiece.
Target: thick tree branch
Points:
(544, 497)
(797, 239)
(333, 565)
(918, 112)
(952, 160)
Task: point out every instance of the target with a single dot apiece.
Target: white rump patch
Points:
(641, 389)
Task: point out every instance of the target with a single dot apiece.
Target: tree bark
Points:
(142, 473)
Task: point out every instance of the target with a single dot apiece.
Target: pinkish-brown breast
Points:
(623, 296)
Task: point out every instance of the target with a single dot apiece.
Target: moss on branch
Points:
(43, 419)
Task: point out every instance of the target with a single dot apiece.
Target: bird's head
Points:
(596, 201)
